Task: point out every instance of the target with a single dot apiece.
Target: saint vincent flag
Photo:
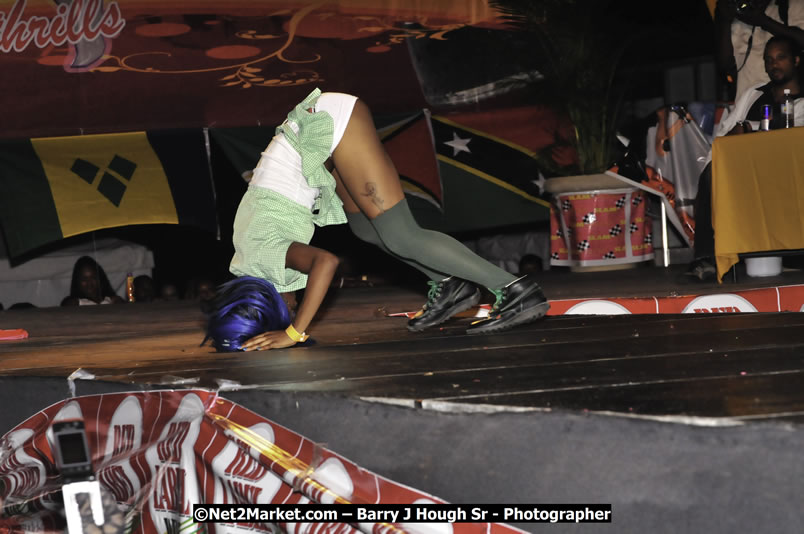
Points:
(243, 146)
(63, 186)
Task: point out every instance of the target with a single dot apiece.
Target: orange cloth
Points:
(17, 333)
(757, 194)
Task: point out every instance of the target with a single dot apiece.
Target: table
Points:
(757, 194)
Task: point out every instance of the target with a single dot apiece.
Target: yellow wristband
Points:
(295, 335)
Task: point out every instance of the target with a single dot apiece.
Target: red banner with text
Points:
(156, 454)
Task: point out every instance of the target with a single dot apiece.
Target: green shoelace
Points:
(499, 295)
(434, 292)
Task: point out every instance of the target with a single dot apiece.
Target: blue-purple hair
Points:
(243, 308)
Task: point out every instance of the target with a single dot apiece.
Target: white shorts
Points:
(339, 106)
(280, 168)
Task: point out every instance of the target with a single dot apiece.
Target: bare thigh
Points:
(366, 177)
(349, 205)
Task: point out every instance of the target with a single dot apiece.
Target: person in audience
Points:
(21, 306)
(144, 289)
(168, 291)
(782, 61)
(742, 32)
(201, 288)
(90, 285)
(530, 263)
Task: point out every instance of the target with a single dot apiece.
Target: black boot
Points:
(445, 299)
(522, 301)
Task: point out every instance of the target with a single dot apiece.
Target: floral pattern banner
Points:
(96, 66)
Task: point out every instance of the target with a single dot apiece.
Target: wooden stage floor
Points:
(733, 367)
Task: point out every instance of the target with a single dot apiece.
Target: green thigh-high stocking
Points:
(362, 228)
(434, 251)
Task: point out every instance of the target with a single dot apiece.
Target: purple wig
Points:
(243, 308)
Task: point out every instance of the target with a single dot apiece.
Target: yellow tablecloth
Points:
(757, 194)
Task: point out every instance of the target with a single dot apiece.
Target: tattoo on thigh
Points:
(371, 192)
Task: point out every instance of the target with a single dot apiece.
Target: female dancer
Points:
(295, 187)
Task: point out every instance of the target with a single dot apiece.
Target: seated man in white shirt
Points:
(743, 29)
(782, 58)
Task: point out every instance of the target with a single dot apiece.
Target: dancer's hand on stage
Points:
(276, 339)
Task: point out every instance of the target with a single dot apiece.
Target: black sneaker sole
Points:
(501, 324)
(463, 305)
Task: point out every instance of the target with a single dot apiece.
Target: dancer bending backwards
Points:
(295, 187)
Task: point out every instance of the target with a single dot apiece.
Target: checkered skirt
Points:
(265, 225)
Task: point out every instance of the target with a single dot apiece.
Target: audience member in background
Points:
(203, 290)
(743, 29)
(529, 263)
(200, 288)
(782, 61)
(144, 289)
(168, 292)
(348, 275)
(90, 285)
(21, 306)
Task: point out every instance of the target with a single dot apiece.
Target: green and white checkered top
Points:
(265, 225)
(313, 142)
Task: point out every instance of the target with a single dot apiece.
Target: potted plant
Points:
(578, 46)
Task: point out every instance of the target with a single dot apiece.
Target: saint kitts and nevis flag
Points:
(57, 187)
(479, 180)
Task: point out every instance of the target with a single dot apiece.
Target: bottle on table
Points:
(787, 110)
(130, 287)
